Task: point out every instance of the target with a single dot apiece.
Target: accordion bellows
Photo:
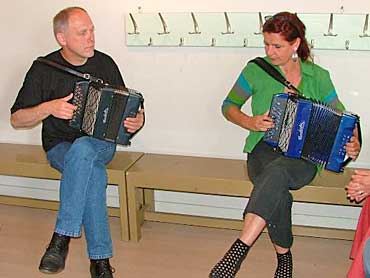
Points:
(310, 130)
(101, 110)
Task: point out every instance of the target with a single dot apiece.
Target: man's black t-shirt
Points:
(44, 83)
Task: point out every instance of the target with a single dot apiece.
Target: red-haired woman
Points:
(273, 174)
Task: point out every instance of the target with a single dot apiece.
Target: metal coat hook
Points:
(136, 32)
(228, 26)
(347, 44)
(245, 42)
(165, 31)
(312, 44)
(196, 26)
(150, 42)
(260, 28)
(213, 43)
(181, 42)
(330, 28)
(366, 26)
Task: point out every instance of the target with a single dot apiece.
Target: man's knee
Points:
(89, 148)
(81, 149)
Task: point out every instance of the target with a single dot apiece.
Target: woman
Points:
(357, 190)
(272, 174)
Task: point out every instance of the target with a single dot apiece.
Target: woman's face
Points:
(278, 49)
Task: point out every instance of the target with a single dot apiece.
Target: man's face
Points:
(78, 40)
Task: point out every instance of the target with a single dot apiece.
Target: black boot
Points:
(285, 265)
(54, 258)
(231, 262)
(101, 269)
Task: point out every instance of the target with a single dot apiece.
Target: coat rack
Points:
(324, 31)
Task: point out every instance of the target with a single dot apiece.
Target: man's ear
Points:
(60, 37)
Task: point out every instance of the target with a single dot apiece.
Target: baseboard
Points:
(238, 225)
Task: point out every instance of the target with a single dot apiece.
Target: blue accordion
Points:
(101, 110)
(310, 130)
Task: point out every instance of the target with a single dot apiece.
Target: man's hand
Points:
(61, 108)
(133, 124)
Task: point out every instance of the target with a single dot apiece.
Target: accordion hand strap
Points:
(86, 76)
(359, 135)
(274, 73)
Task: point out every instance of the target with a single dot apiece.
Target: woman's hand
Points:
(260, 122)
(353, 148)
(359, 186)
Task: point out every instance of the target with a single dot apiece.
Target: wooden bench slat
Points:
(216, 176)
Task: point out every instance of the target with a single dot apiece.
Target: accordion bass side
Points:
(101, 110)
(310, 130)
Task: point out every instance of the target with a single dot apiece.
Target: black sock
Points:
(231, 262)
(285, 265)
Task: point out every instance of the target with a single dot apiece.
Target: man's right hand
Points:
(32, 116)
(61, 108)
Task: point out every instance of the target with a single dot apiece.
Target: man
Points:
(81, 159)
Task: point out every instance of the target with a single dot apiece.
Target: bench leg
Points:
(146, 201)
(134, 212)
(123, 207)
(149, 199)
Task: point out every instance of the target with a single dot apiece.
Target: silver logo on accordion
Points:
(105, 115)
(301, 130)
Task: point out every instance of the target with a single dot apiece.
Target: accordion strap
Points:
(85, 76)
(274, 73)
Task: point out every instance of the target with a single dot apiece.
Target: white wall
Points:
(183, 87)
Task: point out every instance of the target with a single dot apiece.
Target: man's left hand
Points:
(133, 124)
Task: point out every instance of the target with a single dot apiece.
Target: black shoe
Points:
(54, 258)
(231, 262)
(101, 269)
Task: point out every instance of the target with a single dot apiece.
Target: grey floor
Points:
(166, 250)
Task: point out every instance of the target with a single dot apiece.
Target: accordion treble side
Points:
(310, 130)
(101, 110)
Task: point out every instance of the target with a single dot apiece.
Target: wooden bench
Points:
(30, 161)
(225, 177)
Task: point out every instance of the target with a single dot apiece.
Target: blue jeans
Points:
(83, 192)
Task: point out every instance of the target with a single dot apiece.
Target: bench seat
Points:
(216, 176)
(30, 161)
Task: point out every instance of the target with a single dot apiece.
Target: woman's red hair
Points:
(290, 27)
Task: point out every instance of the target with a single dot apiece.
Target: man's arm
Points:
(32, 116)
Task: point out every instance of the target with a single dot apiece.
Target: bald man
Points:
(44, 98)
